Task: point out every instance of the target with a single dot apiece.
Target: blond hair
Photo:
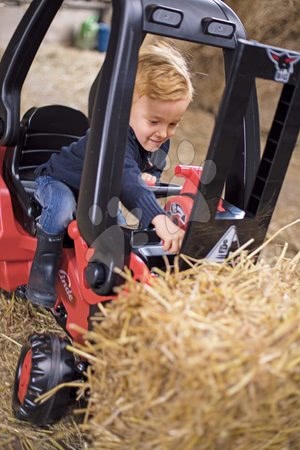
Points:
(163, 74)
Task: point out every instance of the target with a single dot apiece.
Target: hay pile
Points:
(17, 321)
(205, 359)
(276, 23)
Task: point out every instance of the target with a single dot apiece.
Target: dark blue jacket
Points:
(67, 165)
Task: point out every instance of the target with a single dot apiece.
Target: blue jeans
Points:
(58, 204)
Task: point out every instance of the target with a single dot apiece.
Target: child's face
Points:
(155, 121)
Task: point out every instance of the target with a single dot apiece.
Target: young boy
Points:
(162, 93)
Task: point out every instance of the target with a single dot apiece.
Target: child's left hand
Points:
(149, 179)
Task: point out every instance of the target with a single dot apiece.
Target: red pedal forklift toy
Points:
(235, 170)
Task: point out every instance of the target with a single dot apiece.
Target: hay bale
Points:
(276, 23)
(206, 359)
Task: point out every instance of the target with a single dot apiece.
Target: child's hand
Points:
(149, 179)
(169, 233)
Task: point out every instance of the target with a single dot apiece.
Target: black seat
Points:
(44, 131)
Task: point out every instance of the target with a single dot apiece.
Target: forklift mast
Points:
(212, 235)
(233, 163)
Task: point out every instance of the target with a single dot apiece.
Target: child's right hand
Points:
(169, 233)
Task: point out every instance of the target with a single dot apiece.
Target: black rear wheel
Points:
(44, 363)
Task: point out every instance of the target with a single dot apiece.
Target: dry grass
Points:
(205, 359)
(276, 23)
(17, 321)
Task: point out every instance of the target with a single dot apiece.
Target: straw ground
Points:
(17, 321)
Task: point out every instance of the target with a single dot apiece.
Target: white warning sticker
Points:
(221, 250)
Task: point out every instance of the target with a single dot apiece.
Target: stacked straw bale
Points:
(205, 359)
(276, 23)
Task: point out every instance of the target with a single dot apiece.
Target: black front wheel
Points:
(44, 363)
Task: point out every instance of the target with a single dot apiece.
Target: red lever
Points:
(192, 175)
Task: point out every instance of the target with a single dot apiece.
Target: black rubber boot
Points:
(41, 284)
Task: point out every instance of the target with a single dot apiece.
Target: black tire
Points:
(43, 364)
